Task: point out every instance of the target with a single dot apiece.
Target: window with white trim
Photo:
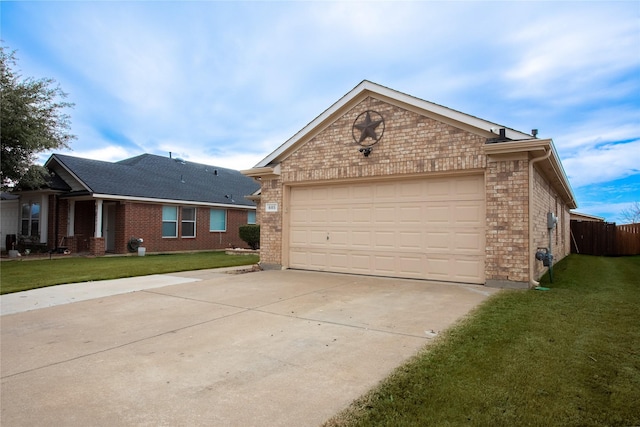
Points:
(188, 222)
(169, 221)
(30, 225)
(251, 217)
(218, 220)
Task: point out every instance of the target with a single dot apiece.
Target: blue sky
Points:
(225, 83)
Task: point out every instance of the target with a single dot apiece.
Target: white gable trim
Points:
(366, 88)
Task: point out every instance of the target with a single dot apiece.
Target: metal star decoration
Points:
(368, 128)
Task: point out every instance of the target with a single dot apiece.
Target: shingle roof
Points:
(157, 177)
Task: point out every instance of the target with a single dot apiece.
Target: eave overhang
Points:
(265, 172)
(550, 167)
(85, 195)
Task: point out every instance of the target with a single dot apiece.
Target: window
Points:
(169, 221)
(188, 222)
(30, 225)
(217, 220)
(251, 217)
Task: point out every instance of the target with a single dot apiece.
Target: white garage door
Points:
(421, 228)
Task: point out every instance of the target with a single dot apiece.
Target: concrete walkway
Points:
(271, 348)
(51, 296)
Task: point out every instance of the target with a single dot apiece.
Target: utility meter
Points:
(552, 220)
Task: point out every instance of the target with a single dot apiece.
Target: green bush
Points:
(251, 234)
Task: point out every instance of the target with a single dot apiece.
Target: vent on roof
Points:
(502, 136)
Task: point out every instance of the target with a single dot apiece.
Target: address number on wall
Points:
(271, 207)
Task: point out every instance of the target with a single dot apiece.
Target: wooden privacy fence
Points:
(604, 238)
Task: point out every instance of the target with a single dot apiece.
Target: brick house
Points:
(386, 184)
(98, 207)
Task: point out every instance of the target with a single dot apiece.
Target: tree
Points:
(631, 214)
(32, 120)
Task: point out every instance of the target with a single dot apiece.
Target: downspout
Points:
(532, 282)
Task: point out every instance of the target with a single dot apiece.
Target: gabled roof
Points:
(154, 178)
(367, 88)
(510, 140)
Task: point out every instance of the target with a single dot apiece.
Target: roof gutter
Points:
(169, 201)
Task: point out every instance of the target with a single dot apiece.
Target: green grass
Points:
(565, 357)
(23, 275)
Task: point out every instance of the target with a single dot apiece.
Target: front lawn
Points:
(565, 357)
(19, 275)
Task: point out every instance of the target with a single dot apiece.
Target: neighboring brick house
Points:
(383, 183)
(99, 207)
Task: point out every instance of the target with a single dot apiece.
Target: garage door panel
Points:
(410, 214)
(410, 265)
(411, 190)
(362, 194)
(468, 241)
(339, 261)
(385, 215)
(468, 214)
(338, 238)
(437, 188)
(339, 215)
(318, 216)
(319, 194)
(298, 256)
(437, 240)
(340, 193)
(299, 237)
(318, 260)
(318, 237)
(299, 216)
(410, 240)
(361, 215)
(300, 196)
(467, 269)
(437, 214)
(385, 193)
(360, 263)
(418, 228)
(385, 240)
(385, 265)
(470, 186)
(438, 267)
(361, 239)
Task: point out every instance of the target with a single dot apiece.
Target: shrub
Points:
(251, 234)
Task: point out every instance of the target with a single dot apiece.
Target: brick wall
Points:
(412, 144)
(144, 220)
(58, 222)
(140, 220)
(546, 199)
(507, 206)
(84, 224)
(270, 223)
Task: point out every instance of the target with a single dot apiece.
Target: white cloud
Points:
(573, 50)
(605, 163)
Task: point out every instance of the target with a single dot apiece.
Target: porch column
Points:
(71, 224)
(98, 230)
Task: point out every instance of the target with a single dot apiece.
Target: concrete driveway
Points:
(271, 348)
